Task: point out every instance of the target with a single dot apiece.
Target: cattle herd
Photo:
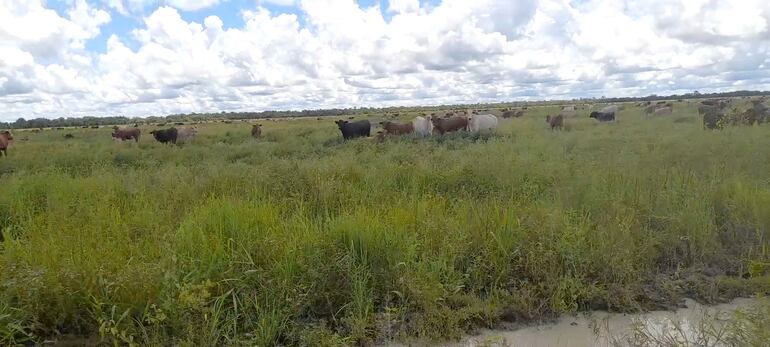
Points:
(716, 114)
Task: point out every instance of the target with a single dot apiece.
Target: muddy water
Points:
(600, 328)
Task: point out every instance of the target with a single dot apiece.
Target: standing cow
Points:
(256, 131)
(187, 134)
(556, 122)
(479, 123)
(603, 116)
(165, 135)
(5, 140)
(126, 134)
(351, 130)
(422, 126)
(392, 128)
(447, 125)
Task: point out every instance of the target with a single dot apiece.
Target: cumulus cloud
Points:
(336, 53)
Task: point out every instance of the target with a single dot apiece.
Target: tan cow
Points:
(392, 128)
(256, 131)
(447, 125)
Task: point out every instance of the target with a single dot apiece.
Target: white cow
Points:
(481, 123)
(186, 134)
(422, 126)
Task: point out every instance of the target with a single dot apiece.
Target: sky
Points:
(71, 58)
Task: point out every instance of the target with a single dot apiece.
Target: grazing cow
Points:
(187, 134)
(94, 127)
(165, 135)
(392, 128)
(126, 134)
(446, 125)
(351, 130)
(663, 111)
(5, 140)
(256, 131)
(556, 122)
(513, 114)
(603, 116)
(422, 126)
(69, 136)
(179, 123)
(478, 123)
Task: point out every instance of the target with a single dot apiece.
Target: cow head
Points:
(341, 123)
(548, 119)
(594, 114)
(7, 135)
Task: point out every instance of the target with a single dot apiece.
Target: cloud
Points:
(127, 7)
(336, 53)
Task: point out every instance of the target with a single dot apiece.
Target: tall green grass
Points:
(302, 239)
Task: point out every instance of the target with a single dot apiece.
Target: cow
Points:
(556, 122)
(663, 111)
(126, 134)
(256, 131)
(5, 140)
(603, 116)
(447, 125)
(351, 130)
(165, 135)
(478, 123)
(392, 128)
(513, 114)
(69, 136)
(187, 134)
(422, 126)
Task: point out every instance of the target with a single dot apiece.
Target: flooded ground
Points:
(606, 329)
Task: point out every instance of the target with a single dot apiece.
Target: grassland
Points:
(301, 239)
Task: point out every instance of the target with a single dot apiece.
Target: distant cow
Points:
(256, 131)
(392, 128)
(663, 111)
(165, 135)
(69, 136)
(351, 130)
(447, 125)
(478, 123)
(603, 116)
(556, 122)
(513, 114)
(186, 134)
(126, 134)
(422, 126)
(5, 140)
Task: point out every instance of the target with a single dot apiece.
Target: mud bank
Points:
(599, 328)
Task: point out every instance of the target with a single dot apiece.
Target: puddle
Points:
(601, 328)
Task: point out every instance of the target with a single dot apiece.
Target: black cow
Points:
(165, 135)
(603, 116)
(352, 130)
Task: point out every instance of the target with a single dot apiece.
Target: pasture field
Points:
(301, 239)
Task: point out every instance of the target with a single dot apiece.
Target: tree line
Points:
(89, 121)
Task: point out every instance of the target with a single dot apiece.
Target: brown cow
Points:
(446, 125)
(256, 131)
(392, 128)
(5, 140)
(126, 134)
(556, 122)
